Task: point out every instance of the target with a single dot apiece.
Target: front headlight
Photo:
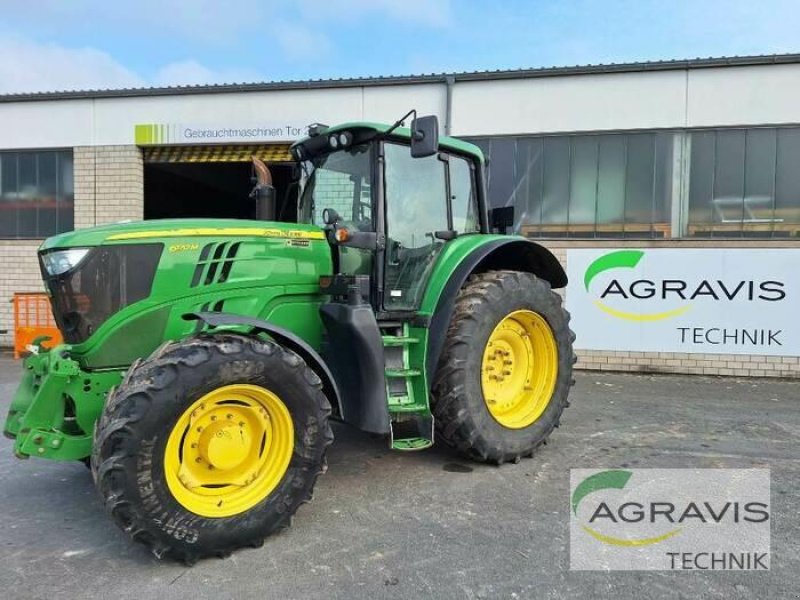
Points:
(61, 261)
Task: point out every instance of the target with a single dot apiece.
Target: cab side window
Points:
(341, 181)
(462, 196)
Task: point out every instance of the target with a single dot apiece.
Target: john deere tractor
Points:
(205, 359)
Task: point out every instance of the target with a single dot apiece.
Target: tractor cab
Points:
(390, 198)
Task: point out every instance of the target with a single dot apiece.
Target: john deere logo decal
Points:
(625, 259)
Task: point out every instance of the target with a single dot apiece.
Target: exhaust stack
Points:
(263, 192)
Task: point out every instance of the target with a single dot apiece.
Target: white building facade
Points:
(670, 190)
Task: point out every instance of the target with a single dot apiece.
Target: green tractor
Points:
(205, 359)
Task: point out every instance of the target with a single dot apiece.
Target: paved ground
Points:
(388, 525)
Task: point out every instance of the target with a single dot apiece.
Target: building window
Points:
(611, 185)
(36, 194)
(744, 183)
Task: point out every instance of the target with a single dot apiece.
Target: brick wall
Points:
(20, 274)
(109, 187)
(334, 190)
(673, 362)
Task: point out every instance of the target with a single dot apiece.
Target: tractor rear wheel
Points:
(211, 444)
(506, 367)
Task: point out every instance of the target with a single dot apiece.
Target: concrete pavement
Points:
(431, 524)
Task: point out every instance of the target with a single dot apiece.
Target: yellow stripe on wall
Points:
(221, 153)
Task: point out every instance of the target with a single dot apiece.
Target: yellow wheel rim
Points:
(519, 369)
(229, 450)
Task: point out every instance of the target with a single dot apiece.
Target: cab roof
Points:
(401, 133)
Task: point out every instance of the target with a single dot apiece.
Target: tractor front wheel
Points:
(211, 444)
(506, 367)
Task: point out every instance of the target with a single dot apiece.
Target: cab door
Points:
(429, 201)
(416, 208)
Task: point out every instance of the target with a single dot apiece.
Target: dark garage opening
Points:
(212, 190)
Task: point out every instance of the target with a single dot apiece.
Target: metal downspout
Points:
(449, 82)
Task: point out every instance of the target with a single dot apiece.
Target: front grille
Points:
(106, 281)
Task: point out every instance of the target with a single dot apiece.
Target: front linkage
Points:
(44, 418)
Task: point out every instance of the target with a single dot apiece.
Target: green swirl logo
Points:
(607, 480)
(624, 259)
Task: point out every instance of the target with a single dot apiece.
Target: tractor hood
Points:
(168, 229)
(119, 290)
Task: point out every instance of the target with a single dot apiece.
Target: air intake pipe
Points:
(263, 192)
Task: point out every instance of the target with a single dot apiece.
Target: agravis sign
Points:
(718, 301)
(670, 519)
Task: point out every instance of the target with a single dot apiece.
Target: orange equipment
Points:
(33, 318)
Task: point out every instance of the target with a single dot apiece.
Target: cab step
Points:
(403, 372)
(411, 421)
(398, 340)
(412, 432)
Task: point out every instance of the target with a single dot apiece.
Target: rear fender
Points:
(498, 252)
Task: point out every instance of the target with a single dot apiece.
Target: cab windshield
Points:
(341, 181)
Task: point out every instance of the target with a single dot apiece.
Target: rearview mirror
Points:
(501, 219)
(424, 136)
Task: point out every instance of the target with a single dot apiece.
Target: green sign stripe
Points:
(612, 260)
(137, 134)
(599, 481)
(141, 134)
